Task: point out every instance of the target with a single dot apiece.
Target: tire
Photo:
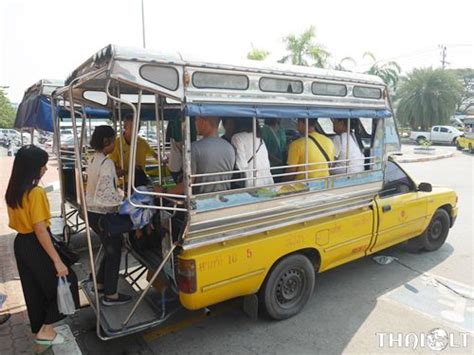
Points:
(456, 143)
(471, 150)
(420, 140)
(437, 232)
(288, 287)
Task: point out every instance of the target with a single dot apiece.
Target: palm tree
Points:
(341, 66)
(303, 51)
(389, 71)
(257, 54)
(428, 97)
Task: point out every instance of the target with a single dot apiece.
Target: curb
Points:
(425, 158)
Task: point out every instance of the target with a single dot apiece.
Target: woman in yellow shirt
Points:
(39, 264)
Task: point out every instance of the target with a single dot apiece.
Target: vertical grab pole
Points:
(121, 138)
(254, 151)
(158, 139)
(158, 119)
(306, 152)
(163, 133)
(347, 144)
(58, 157)
(84, 207)
(187, 160)
(133, 145)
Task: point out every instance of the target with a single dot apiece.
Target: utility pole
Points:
(143, 24)
(443, 56)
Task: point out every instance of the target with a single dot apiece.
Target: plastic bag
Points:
(66, 304)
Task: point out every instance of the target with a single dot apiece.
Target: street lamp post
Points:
(143, 24)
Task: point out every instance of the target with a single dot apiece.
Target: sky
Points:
(41, 39)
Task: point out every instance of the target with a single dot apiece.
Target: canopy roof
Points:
(119, 71)
(113, 52)
(34, 110)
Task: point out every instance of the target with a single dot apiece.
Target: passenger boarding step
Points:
(154, 309)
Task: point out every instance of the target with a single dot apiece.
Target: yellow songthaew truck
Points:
(465, 141)
(280, 265)
(265, 231)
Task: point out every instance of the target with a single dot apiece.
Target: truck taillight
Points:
(187, 275)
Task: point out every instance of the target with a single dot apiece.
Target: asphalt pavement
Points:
(360, 307)
(415, 304)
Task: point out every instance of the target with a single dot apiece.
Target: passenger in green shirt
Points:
(275, 139)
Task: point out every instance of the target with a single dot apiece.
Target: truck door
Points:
(435, 134)
(444, 135)
(401, 209)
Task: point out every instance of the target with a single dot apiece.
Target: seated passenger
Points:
(320, 150)
(274, 137)
(103, 199)
(174, 135)
(356, 158)
(229, 128)
(143, 151)
(243, 142)
(211, 154)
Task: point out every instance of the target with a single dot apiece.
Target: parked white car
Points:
(438, 134)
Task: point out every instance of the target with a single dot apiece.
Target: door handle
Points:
(386, 208)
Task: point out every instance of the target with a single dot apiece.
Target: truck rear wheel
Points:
(288, 287)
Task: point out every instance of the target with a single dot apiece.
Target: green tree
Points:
(302, 50)
(257, 54)
(428, 97)
(466, 78)
(7, 112)
(389, 71)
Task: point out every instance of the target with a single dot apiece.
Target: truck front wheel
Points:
(288, 287)
(458, 146)
(435, 234)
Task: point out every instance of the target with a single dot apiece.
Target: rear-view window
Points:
(166, 77)
(281, 85)
(365, 92)
(204, 80)
(328, 89)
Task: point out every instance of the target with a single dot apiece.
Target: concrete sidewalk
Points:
(408, 155)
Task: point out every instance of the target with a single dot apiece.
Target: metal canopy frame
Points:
(116, 72)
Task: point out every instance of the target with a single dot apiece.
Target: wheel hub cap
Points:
(290, 287)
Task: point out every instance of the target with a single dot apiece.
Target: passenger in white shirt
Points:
(355, 163)
(243, 144)
(103, 199)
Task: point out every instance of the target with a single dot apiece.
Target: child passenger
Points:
(103, 199)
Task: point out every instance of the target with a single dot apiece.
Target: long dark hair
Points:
(25, 173)
(102, 136)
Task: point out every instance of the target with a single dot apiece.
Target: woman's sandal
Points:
(58, 339)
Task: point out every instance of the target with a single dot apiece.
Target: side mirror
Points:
(425, 187)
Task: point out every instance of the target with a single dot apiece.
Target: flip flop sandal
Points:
(58, 339)
(4, 318)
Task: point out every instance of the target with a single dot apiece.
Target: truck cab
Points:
(438, 134)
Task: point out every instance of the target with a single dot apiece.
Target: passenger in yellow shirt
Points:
(143, 150)
(320, 150)
(39, 264)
